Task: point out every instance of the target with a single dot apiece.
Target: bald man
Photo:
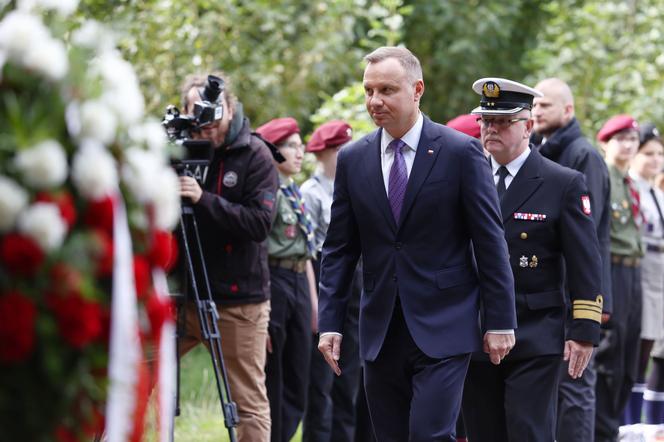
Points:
(563, 142)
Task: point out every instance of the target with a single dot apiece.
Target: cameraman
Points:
(234, 211)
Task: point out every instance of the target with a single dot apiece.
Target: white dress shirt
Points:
(512, 167)
(411, 138)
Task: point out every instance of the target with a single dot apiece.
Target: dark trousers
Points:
(363, 428)
(616, 359)
(411, 396)
(287, 368)
(576, 405)
(330, 411)
(512, 402)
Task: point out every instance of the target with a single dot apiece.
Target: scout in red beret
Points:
(466, 123)
(616, 124)
(330, 135)
(277, 130)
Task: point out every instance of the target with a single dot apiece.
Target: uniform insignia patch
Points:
(534, 262)
(290, 231)
(523, 261)
(230, 179)
(585, 203)
(529, 216)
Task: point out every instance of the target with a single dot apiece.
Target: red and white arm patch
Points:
(585, 204)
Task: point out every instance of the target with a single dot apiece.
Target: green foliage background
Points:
(303, 58)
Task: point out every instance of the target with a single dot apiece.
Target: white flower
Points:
(140, 173)
(13, 199)
(93, 171)
(151, 133)
(167, 200)
(93, 35)
(73, 119)
(121, 90)
(19, 31)
(43, 166)
(48, 58)
(62, 7)
(43, 223)
(97, 122)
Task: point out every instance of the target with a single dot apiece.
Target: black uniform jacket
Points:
(568, 147)
(547, 217)
(234, 217)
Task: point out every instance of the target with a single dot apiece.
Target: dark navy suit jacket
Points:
(544, 219)
(445, 256)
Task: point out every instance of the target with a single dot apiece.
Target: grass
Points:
(200, 417)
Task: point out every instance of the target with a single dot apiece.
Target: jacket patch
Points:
(585, 204)
(268, 200)
(230, 179)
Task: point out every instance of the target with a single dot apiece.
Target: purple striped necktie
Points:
(398, 177)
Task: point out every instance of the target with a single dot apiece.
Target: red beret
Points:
(277, 130)
(467, 124)
(331, 134)
(615, 125)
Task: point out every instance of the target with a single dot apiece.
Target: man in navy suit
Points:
(416, 200)
(552, 243)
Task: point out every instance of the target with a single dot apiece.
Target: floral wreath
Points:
(87, 203)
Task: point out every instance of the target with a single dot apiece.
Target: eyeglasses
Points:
(498, 123)
(292, 145)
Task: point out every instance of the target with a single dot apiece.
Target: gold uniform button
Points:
(524, 235)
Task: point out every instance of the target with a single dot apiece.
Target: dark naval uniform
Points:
(551, 238)
(290, 246)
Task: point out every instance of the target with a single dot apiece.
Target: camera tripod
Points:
(196, 277)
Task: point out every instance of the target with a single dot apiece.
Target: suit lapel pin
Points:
(430, 151)
(523, 261)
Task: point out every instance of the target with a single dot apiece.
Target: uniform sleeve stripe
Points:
(587, 309)
(584, 302)
(583, 314)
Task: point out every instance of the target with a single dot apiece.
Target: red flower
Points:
(102, 252)
(163, 250)
(65, 278)
(21, 255)
(99, 215)
(65, 203)
(95, 423)
(17, 327)
(159, 310)
(63, 434)
(79, 320)
(142, 276)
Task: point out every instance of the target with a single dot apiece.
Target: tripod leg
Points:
(207, 316)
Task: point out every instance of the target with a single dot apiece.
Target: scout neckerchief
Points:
(635, 200)
(292, 193)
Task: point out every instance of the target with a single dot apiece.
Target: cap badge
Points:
(349, 132)
(491, 89)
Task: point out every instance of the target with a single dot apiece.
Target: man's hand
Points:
(497, 345)
(330, 346)
(578, 354)
(189, 188)
(606, 317)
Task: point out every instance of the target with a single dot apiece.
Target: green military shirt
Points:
(286, 239)
(625, 236)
